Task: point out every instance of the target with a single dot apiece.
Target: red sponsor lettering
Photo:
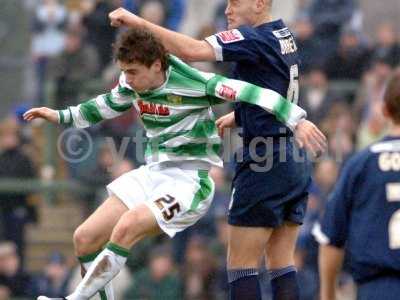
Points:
(227, 92)
(230, 36)
(153, 109)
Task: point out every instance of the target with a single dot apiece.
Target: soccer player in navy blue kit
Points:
(362, 216)
(268, 202)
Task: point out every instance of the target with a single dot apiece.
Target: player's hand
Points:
(308, 135)
(122, 17)
(48, 114)
(227, 121)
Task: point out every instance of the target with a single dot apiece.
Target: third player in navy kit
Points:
(363, 216)
(269, 192)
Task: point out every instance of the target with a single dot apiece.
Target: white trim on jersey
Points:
(282, 33)
(212, 40)
(319, 236)
(388, 146)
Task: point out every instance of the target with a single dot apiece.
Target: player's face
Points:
(140, 77)
(240, 12)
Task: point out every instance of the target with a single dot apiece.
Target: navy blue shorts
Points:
(271, 197)
(385, 287)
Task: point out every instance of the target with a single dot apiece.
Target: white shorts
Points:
(177, 196)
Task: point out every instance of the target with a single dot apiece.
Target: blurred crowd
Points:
(343, 75)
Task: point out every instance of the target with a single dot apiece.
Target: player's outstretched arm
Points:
(306, 133)
(103, 107)
(235, 90)
(183, 46)
(330, 263)
(45, 113)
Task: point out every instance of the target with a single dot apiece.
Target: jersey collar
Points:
(161, 87)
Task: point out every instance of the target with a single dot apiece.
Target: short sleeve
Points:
(334, 225)
(234, 45)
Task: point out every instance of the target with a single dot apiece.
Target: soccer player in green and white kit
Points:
(173, 190)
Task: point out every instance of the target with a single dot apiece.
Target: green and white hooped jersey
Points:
(177, 116)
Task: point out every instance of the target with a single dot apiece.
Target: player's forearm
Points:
(330, 264)
(235, 90)
(93, 111)
(65, 116)
(73, 116)
(180, 45)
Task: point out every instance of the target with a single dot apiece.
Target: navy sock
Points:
(284, 284)
(244, 284)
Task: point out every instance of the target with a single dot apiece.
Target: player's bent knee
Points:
(131, 226)
(122, 231)
(85, 242)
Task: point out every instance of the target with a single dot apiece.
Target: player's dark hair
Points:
(139, 45)
(392, 97)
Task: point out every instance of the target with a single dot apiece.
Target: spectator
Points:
(302, 9)
(222, 195)
(108, 167)
(49, 22)
(159, 281)
(100, 35)
(174, 10)
(340, 126)
(127, 132)
(14, 281)
(387, 48)
(306, 44)
(341, 145)
(15, 209)
(175, 13)
(326, 173)
(351, 58)
(219, 248)
(373, 128)
(315, 97)
(139, 259)
(328, 18)
(55, 278)
(199, 270)
(75, 65)
(372, 88)
(153, 11)
(102, 169)
(219, 19)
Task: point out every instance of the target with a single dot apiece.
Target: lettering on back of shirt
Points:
(286, 41)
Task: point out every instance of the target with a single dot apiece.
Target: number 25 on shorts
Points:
(168, 205)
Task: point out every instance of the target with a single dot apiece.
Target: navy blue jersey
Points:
(266, 56)
(363, 212)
